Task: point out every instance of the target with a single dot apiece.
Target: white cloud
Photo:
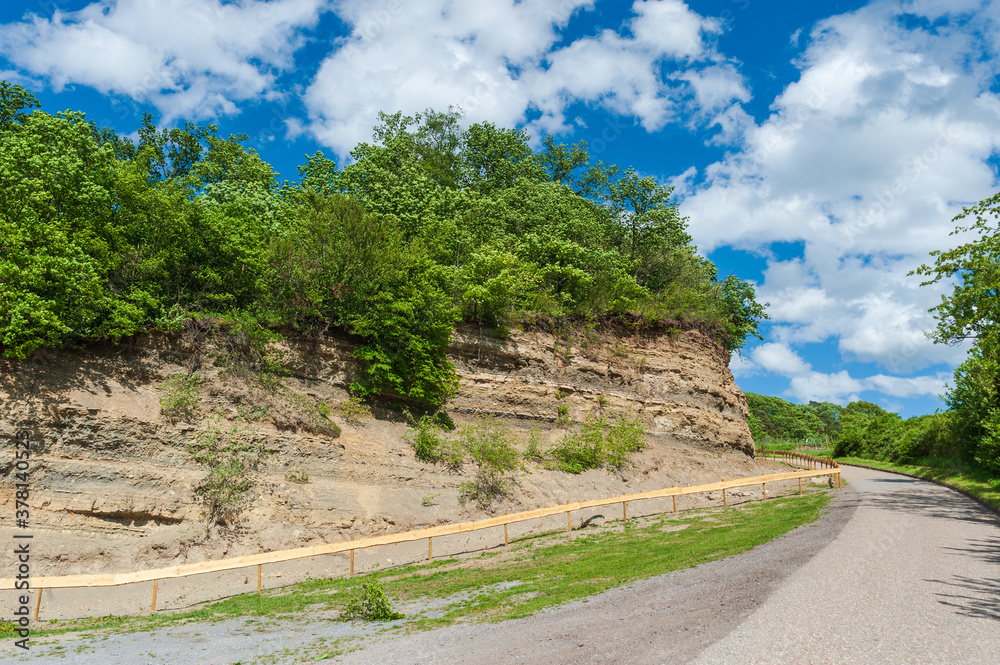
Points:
(498, 59)
(780, 359)
(865, 160)
(806, 384)
(191, 58)
(840, 387)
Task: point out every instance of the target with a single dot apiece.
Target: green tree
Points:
(972, 311)
(14, 102)
(60, 237)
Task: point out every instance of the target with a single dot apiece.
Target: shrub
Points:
(533, 450)
(301, 476)
(354, 409)
(490, 443)
(180, 396)
(431, 445)
(598, 443)
(624, 437)
(248, 346)
(563, 419)
(232, 460)
(370, 604)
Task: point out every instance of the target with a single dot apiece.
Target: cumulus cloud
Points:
(190, 58)
(499, 59)
(864, 160)
(779, 359)
(805, 383)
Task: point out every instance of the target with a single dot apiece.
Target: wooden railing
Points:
(815, 467)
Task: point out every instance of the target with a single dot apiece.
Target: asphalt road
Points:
(898, 571)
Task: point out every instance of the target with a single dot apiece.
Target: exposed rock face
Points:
(680, 385)
(118, 480)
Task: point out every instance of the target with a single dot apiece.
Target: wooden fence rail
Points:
(816, 467)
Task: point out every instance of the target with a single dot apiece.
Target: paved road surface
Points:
(899, 571)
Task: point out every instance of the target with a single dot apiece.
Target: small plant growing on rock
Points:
(490, 443)
(180, 396)
(370, 604)
(353, 410)
(563, 418)
(300, 477)
(430, 444)
(599, 443)
(533, 450)
(232, 460)
(427, 500)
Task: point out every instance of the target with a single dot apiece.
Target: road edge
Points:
(986, 508)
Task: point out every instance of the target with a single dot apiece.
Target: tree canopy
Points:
(432, 224)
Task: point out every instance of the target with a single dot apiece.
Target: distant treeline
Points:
(863, 429)
(431, 225)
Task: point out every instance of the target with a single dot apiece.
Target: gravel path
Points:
(898, 571)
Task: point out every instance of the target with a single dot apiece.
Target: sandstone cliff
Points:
(114, 481)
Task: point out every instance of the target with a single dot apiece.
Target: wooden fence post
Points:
(156, 583)
(725, 501)
(764, 485)
(624, 509)
(505, 541)
(352, 559)
(38, 603)
(430, 549)
(260, 566)
(569, 522)
(675, 504)
(800, 486)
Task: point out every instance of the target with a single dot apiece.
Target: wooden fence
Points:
(814, 466)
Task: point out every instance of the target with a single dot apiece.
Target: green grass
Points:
(534, 573)
(973, 481)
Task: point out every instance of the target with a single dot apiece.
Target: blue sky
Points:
(819, 149)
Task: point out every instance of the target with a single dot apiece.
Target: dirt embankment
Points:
(115, 484)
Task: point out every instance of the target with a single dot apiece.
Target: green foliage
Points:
(7, 629)
(490, 445)
(772, 418)
(599, 442)
(353, 410)
(975, 402)
(430, 225)
(562, 419)
(533, 448)
(370, 604)
(248, 347)
(232, 459)
(180, 396)
(431, 444)
(300, 477)
(972, 311)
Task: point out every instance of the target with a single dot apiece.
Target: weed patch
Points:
(599, 442)
(370, 604)
(180, 396)
(232, 460)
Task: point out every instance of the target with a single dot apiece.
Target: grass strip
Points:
(984, 487)
(536, 572)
